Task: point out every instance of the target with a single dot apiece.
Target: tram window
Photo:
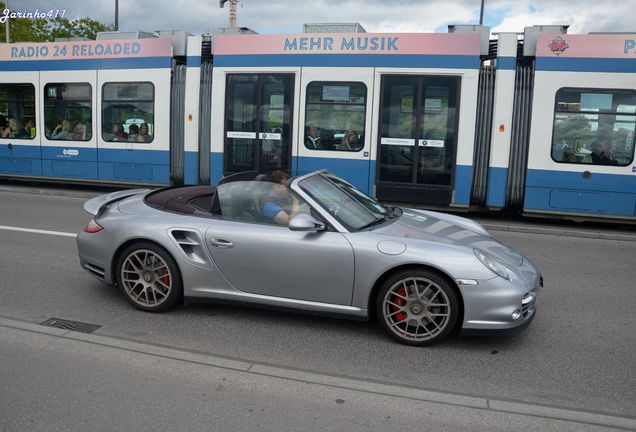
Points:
(68, 111)
(128, 111)
(335, 115)
(594, 126)
(17, 111)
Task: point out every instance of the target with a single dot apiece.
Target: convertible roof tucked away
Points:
(178, 198)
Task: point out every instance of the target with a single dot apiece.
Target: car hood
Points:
(438, 227)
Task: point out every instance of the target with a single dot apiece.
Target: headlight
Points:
(491, 262)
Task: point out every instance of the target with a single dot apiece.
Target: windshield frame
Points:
(365, 204)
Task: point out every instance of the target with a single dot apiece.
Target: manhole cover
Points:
(71, 325)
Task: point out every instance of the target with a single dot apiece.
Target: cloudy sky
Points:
(287, 16)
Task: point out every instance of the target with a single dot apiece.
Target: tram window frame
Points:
(19, 121)
(564, 111)
(87, 133)
(106, 104)
(361, 133)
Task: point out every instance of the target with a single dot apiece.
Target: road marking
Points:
(37, 231)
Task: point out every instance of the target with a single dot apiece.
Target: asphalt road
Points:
(579, 353)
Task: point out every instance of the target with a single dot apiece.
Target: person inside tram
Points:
(10, 129)
(280, 206)
(143, 135)
(118, 133)
(601, 154)
(28, 129)
(311, 137)
(568, 154)
(79, 131)
(350, 141)
(133, 131)
(62, 131)
(327, 140)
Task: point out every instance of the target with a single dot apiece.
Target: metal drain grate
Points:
(71, 325)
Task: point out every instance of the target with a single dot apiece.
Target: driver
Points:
(275, 204)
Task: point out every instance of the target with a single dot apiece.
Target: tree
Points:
(47, 30)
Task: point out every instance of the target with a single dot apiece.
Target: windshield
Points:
(353, 209)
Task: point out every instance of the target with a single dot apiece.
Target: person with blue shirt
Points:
(280, 206)
(26, 131)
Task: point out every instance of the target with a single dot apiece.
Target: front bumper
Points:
(500, 305)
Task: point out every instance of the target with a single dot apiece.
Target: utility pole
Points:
(6, 5)
(116, 15)
(481, 13)
(232, 18)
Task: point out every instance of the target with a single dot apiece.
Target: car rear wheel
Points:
(417, 307)
(149, 277)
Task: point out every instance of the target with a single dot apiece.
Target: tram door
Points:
(258, 112)
(418, 138)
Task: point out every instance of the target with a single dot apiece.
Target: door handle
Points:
(221, 243)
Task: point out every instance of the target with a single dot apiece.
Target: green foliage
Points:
(47, 30)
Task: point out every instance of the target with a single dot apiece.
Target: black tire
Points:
(153, 283)
(417, 320)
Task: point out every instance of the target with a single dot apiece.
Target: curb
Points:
(405, 392)
(559, 232)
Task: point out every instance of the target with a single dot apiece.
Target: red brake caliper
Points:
(165, 277)
(400, 316)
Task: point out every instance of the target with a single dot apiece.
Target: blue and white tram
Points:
(89, 110)
(544, 124)
(584, 106)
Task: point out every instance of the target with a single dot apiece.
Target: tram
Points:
(542, 122)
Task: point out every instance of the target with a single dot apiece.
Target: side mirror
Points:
(304, 222)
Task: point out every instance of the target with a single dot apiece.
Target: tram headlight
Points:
(491, 262)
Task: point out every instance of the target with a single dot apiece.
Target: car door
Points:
(275, 261)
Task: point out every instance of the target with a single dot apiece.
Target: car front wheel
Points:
(417, 307)
(149, 277)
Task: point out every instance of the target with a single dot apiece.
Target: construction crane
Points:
(232, 19)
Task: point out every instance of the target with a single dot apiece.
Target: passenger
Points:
(275, 204)
(557, 152)
(28, 129)
(118, 133)
(11, 129)
(311, 137)
(62, 131)
(143, 133)
(79, 131)
(350, 141)
(327, 140)
(568, 154)
(133, 130)
(601, 154)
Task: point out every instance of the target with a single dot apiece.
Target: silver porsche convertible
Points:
(313, 243)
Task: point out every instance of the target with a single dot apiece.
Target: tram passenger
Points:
(118, 133)
(28, 129)
(327, 140)
(62, 131)
(311, 137)
(10, 129)
(79, 131)
(350, 141)
(280, 206)
(133, 131)
(601, 154)
(143, 133)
